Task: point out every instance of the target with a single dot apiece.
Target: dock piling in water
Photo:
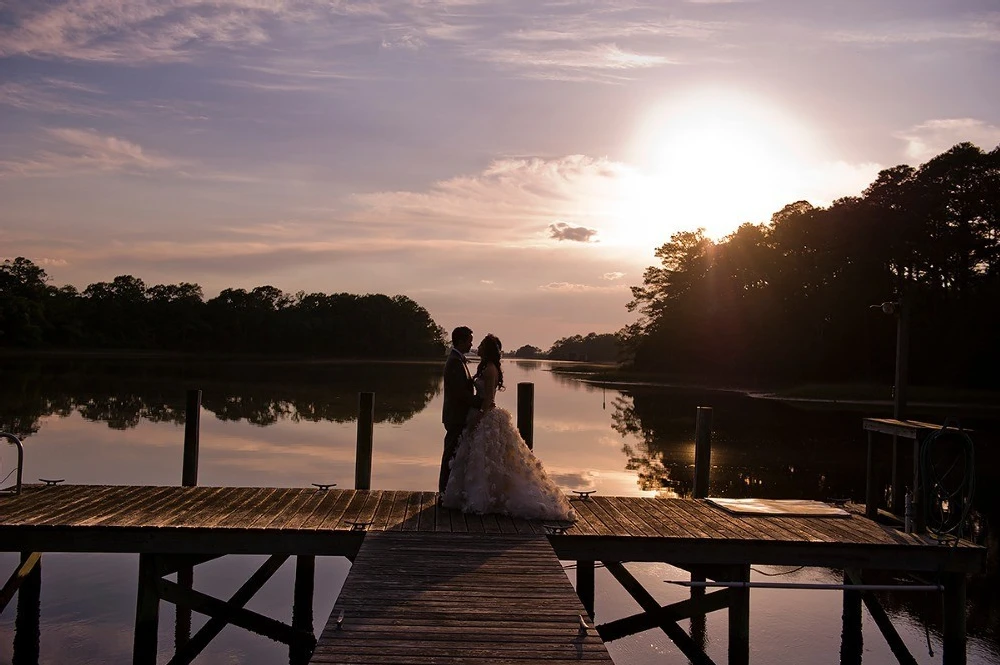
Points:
(366, 433)
(702, 452)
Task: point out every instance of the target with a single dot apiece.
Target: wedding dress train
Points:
(494, 471)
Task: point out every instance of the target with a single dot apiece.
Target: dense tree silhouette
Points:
(790, 300)
(125, 313)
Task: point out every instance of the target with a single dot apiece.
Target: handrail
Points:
(20, 462)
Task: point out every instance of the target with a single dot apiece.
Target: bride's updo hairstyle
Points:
(491, 347)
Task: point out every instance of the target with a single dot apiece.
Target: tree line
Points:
(592, 347)
(125, 313)
(797, 298)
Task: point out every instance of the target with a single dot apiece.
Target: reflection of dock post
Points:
(366, 433)
(27, 634)
(147, 613)
(300, 651)
(526, 412)
(851, 637)
(585, 585)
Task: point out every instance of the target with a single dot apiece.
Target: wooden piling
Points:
(871, 484)
(366, 433)
(851, 637)
(27, 632)
(192, 425)
(954, 637)
(739, 618)
(147, 613)
(585, 585)
(302, 608)
(702, 452)
(526, 412)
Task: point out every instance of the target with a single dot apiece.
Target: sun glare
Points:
(712, 160)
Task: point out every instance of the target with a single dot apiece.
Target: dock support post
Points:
(192, 424)
(585, 585)
(851, 637)
(366, 433)
(147, 613)
(702, 452)
(526, 412)
(954, 619)
(27, 634)
(871, 502)
(302, 607)
(189, 478)
(739, 618)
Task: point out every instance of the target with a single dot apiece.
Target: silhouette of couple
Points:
(486, 466)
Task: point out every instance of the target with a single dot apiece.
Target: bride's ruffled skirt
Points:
(494, 472)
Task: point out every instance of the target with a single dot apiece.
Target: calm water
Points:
(289, 424)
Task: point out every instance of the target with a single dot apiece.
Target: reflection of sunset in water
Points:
(637, 442)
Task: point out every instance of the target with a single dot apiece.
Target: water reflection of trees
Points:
(766, 449)
(123, 392)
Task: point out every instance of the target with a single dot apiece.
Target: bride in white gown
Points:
(493, 470)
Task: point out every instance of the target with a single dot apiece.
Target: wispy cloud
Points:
(567, 287)
(612, 276)
(138, 30)
(76, 151)
(933, 137)
(83, 150)
(983, 28)
(574, 64)
(511, 196)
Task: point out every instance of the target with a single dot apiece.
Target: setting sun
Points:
(712, 160)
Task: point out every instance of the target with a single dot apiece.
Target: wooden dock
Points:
(445, 598)
(401, 540)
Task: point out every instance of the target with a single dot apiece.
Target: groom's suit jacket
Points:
(459, 391)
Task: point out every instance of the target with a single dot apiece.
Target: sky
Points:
(510, 165)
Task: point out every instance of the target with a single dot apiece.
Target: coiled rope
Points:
(949, 481)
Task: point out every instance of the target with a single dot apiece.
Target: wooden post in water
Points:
(366, 433)
(147, 613)
(702, 452)
(739, 618)
(27, 633)
(192, 423)
(299, 651)
(189, 478)
(851, 637)
(585, 585)
(526, 412)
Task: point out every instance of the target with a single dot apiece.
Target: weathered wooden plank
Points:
(442, 586)
(332, 518)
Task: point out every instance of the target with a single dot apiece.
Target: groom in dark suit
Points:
(459, 397)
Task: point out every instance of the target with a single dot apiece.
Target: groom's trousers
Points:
(450, 446)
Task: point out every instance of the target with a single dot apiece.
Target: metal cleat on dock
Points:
(556, 529)
(52, 481)
(324, 486)
(340, 619)
(360, 526)
(584, 495)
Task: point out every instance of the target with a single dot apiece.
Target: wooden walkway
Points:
(259, 520)
(440, 598)
(448, 586)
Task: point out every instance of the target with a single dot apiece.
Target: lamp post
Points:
(901, 309)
